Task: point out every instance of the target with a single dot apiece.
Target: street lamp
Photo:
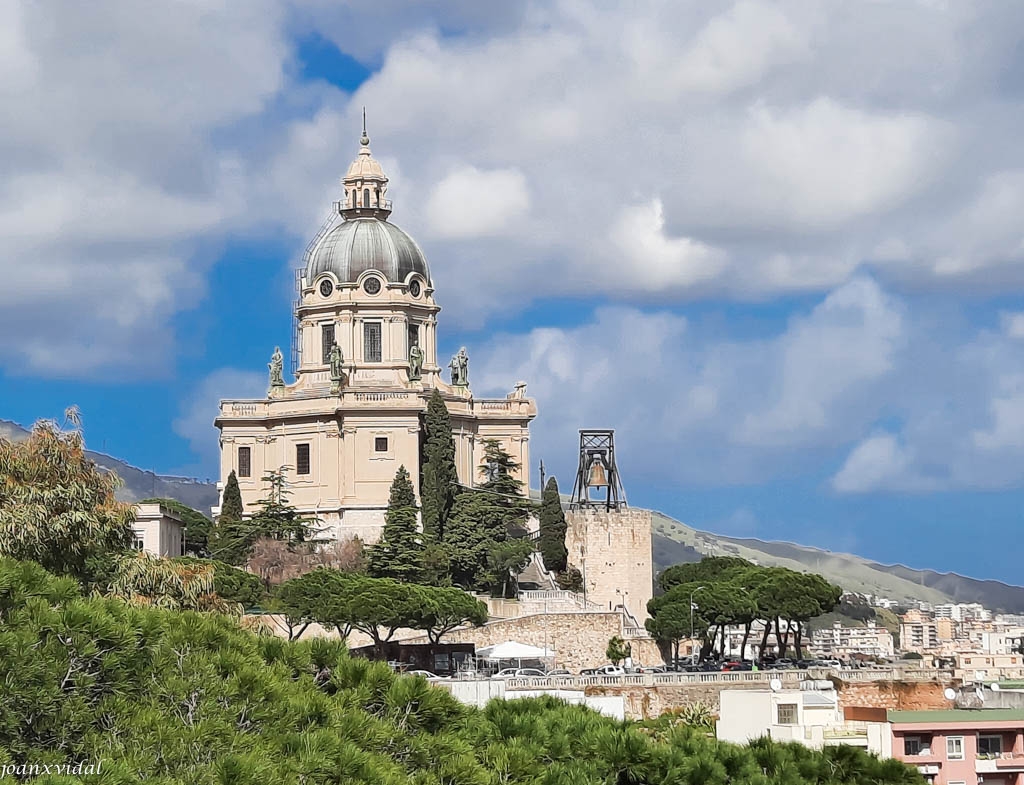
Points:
(693, 652)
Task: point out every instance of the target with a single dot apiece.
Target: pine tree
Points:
(552, 529)
(399, 553)
(278, 519)
(230, 537)
(483, 518)
(438, 479)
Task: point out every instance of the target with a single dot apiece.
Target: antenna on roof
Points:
(365, 140)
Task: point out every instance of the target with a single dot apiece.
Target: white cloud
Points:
(747, 149)
(474, 203)
(657, 259)
(736, 47)
(879, 462)
(826, 163)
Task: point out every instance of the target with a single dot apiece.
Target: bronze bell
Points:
(598, 477)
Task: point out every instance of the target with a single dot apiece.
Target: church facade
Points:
(365, 366)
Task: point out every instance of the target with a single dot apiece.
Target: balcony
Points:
(994, 762)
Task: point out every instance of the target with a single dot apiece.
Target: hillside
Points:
(675, 542)
(138, 483)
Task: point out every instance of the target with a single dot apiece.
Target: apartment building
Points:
(961, 746)
(843, 642)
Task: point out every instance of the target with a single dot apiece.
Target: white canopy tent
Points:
(513, 650)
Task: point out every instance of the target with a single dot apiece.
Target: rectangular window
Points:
(140, 544)
(245, 462)
(371, 342)
(302, 459)
(413, 336)
(326, 341)
(380, 444)
(990, 744)
(787, 714)
(912, 745)
(955, 748)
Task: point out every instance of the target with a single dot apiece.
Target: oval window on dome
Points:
(414, 288)
(371, 285)
(326, 288)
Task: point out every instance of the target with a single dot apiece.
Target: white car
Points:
(519, 673)
(425, 674)
(604, 670)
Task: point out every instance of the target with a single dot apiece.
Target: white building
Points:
(810, 715)
(158, 531)
(842, 642)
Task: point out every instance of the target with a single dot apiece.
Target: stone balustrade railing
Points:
(789, 678)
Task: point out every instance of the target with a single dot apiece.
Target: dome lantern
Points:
(365, 185)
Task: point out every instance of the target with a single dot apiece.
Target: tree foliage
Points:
(617, 650)
(231, 536)
(438, 487)
(505, 560)
(276, 517)
(482, 519)
(399, 552)
(378, 607)
(731, 591)
(180, 698)
(57, 507)
(552, 529)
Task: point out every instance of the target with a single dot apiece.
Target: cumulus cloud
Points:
(474, 203)
(859, 388)
(745, 150)
(879, 462)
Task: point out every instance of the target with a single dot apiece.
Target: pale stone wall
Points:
(579, 640)
(614, 552)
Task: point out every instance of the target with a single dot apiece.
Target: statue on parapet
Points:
(460, 368)
(276, 366)
(336, 358)
(415, 362)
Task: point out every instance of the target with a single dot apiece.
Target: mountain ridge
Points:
(139, 483)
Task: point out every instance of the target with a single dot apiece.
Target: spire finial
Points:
(365, 140)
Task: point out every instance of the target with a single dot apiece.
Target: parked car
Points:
(559, 672)
(519, 673)
(425, 674)
(649, 669)
(604, 670)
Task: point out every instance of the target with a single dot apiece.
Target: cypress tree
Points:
(437, 482)
(399, 553)
(552, 529)
(229, 539)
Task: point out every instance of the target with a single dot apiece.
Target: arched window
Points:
(366, 197)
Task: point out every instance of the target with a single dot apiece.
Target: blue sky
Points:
(777, 246)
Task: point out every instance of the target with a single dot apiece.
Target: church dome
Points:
(360, 244)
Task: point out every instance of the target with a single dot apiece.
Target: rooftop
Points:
(956, 716)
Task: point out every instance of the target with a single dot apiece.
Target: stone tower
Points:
(612, 548)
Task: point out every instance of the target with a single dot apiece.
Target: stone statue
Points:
(460, 368)
(518, 392)
(337, 360)
(415, 362)
(276, 366)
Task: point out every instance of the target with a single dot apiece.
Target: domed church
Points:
(364, 358)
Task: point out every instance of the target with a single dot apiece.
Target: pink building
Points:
(961, 746)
